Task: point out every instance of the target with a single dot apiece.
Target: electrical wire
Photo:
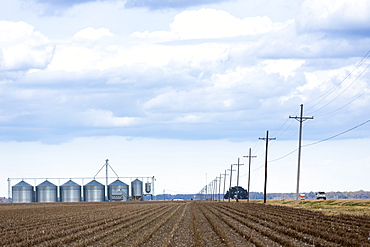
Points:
(286, 121)
(323, 97)
(331, 101)
(341, 133)
(314, 143)
(364, 58)
(365, 92)
(282, 157)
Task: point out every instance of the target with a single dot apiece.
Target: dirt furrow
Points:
(279, 226)
(130, 233)
(188, 223)
(229, 234)
(164, 236)
(319, 231)
(87, 228)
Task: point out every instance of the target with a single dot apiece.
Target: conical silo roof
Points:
(70, 183)
(118, 182)
(22, 184)
(94, 183)
(47, 183)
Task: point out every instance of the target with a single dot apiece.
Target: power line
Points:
(341, 133)
(317, 142)
(282, 157)
(364, 58)
(343, 90)
(366, 91)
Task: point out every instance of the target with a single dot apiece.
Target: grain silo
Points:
(22, 192)
(46, 192)
(137, 189)
(94, 192)
(70, 192)
(148, 187)
(118, 191)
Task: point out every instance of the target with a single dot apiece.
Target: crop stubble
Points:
(195, 223)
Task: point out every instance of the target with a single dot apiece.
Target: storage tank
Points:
(148, 187)
(46, 192)
(119, 190)
(94, 192)
(136, 189)
(22, 192)
(70, 192)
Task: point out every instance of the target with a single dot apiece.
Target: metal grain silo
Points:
(70, 192)
(22, 192)
(136, 189)
(94, 192)
(148, 187)
(118, 191)
(46, 192)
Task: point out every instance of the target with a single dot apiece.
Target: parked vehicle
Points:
(320, 195)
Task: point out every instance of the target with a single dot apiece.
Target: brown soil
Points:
(195, 223)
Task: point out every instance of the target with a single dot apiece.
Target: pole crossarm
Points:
(300, 118)
(253, 156)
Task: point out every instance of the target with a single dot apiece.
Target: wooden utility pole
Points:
(219, 188)
(300, 119)
(237, 182)
(224, 186)
(267, 139)
(249, 170)
(231, 176)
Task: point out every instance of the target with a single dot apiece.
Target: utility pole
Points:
(219, 188)
(267, 139)
(249, 170)
(106, 177)
(231, 176)
(224, 186)
(164, 194)
(206, 188)
(237, 182)
(9, 190)
(213, 190)
(300, 119)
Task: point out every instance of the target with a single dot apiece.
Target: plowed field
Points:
(193, 223)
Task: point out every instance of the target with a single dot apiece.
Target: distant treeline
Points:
(259, 195)
(274, 196)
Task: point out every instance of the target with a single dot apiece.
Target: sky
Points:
(181, 89)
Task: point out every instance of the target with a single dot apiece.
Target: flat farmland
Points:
(185, 223)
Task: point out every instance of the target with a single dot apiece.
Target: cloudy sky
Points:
(180, 89)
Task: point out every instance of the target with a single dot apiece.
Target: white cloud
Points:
(22, 47)
(207, 66)
(337, 15)
(189, 118)
(93, 33)
(211, 23)
(285, 67)
(233, 77)
(102, 118)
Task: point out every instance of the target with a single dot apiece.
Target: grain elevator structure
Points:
(90, 189)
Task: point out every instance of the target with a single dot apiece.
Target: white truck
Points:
(320, 195)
